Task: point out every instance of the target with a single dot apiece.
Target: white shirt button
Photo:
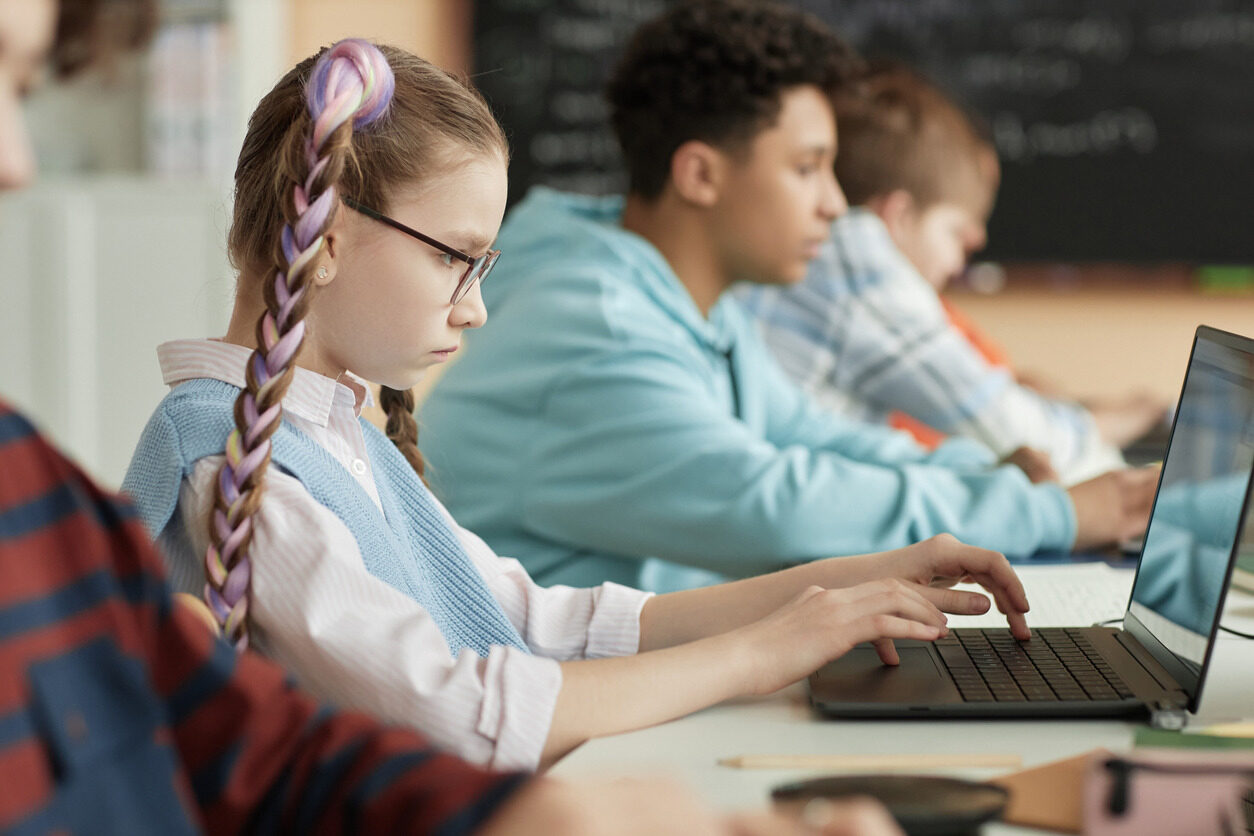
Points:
(359, 467)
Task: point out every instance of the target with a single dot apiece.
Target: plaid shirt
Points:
(120, 713)
(867, 336)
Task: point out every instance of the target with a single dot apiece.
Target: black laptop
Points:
(1154, 665)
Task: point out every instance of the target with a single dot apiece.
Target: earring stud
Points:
(322, 272)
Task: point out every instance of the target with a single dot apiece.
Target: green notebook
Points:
(1186, 740)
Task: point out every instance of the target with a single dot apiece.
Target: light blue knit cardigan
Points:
(410, 546)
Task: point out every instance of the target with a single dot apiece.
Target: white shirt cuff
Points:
(615, 626)
(519, 696)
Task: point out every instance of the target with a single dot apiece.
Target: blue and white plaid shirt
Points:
(866, 335)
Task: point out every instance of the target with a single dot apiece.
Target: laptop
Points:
(1156, 664)
(1243, 574)
(1243, 571)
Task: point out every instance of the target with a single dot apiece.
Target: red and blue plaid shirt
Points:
(120, 713)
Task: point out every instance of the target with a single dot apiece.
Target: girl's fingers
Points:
(887, 651)
(1001, 576)
(1018, 625)
(902, 601)
(884, 626)
(962, 602)
(992, 571)
(989, 567)
(1012, 609)
(958, 601)
(884, 596)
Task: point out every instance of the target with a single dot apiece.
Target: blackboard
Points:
(1125, 127)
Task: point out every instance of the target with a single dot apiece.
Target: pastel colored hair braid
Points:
(350, 87)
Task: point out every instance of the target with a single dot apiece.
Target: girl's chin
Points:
(407, 379)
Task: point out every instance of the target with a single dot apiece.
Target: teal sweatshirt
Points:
(600, 428)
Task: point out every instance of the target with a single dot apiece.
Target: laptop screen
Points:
(1200, 504)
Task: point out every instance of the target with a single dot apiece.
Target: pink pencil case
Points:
(1167, 791)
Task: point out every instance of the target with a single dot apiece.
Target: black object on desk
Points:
(922, 805)
(1150, 447)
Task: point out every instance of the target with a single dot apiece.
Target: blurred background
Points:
(1125, 130)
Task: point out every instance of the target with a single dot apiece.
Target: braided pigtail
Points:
(401, 426)
(351, 86)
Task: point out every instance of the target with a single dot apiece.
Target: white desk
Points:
(782, 723)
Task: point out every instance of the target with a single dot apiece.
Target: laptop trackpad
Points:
(860, 677)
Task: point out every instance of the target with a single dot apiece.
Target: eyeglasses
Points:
(477, 269)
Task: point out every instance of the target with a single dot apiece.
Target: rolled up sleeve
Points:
(354, 640)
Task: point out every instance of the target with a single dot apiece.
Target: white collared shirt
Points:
(866, 335)
(354, 640)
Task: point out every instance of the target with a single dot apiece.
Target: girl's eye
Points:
(446, 259)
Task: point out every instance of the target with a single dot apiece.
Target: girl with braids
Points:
(368, 193)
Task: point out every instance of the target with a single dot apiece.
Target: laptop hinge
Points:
(1171, 712)
(1169, 716)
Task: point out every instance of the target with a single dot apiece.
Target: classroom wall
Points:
(106, 257)
(438, 30)
(1102, 330)
(104, 261)
(97, 274)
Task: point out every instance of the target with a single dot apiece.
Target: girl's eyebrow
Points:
(468, 242)
(816, 151)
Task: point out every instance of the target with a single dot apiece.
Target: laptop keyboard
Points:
(1056, 664)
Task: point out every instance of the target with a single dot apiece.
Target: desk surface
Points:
(782, 723)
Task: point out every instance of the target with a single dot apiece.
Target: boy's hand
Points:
(1034, 463)
(1114, 506)
(1124, 420)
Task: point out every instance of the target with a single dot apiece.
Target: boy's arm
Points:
(810, 352)
(903, 353)
(646, 463)
(795, 417)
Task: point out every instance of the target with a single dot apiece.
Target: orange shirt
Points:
(988, 348)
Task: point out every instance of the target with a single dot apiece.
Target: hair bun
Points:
(352, 79)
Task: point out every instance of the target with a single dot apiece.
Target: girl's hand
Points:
(820, 625)
(942, 561)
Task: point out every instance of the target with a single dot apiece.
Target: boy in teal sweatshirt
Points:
(619, 418)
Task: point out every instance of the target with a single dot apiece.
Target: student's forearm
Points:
(609, 696)
(678, 617)
(811, 627)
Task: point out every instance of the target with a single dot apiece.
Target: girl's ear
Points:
(328, 259)
(697, 172)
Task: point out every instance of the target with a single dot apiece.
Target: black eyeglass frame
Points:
(477, 269)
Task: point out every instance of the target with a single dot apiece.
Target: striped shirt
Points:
(867, 336)
(352, 639)
(120, 713)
